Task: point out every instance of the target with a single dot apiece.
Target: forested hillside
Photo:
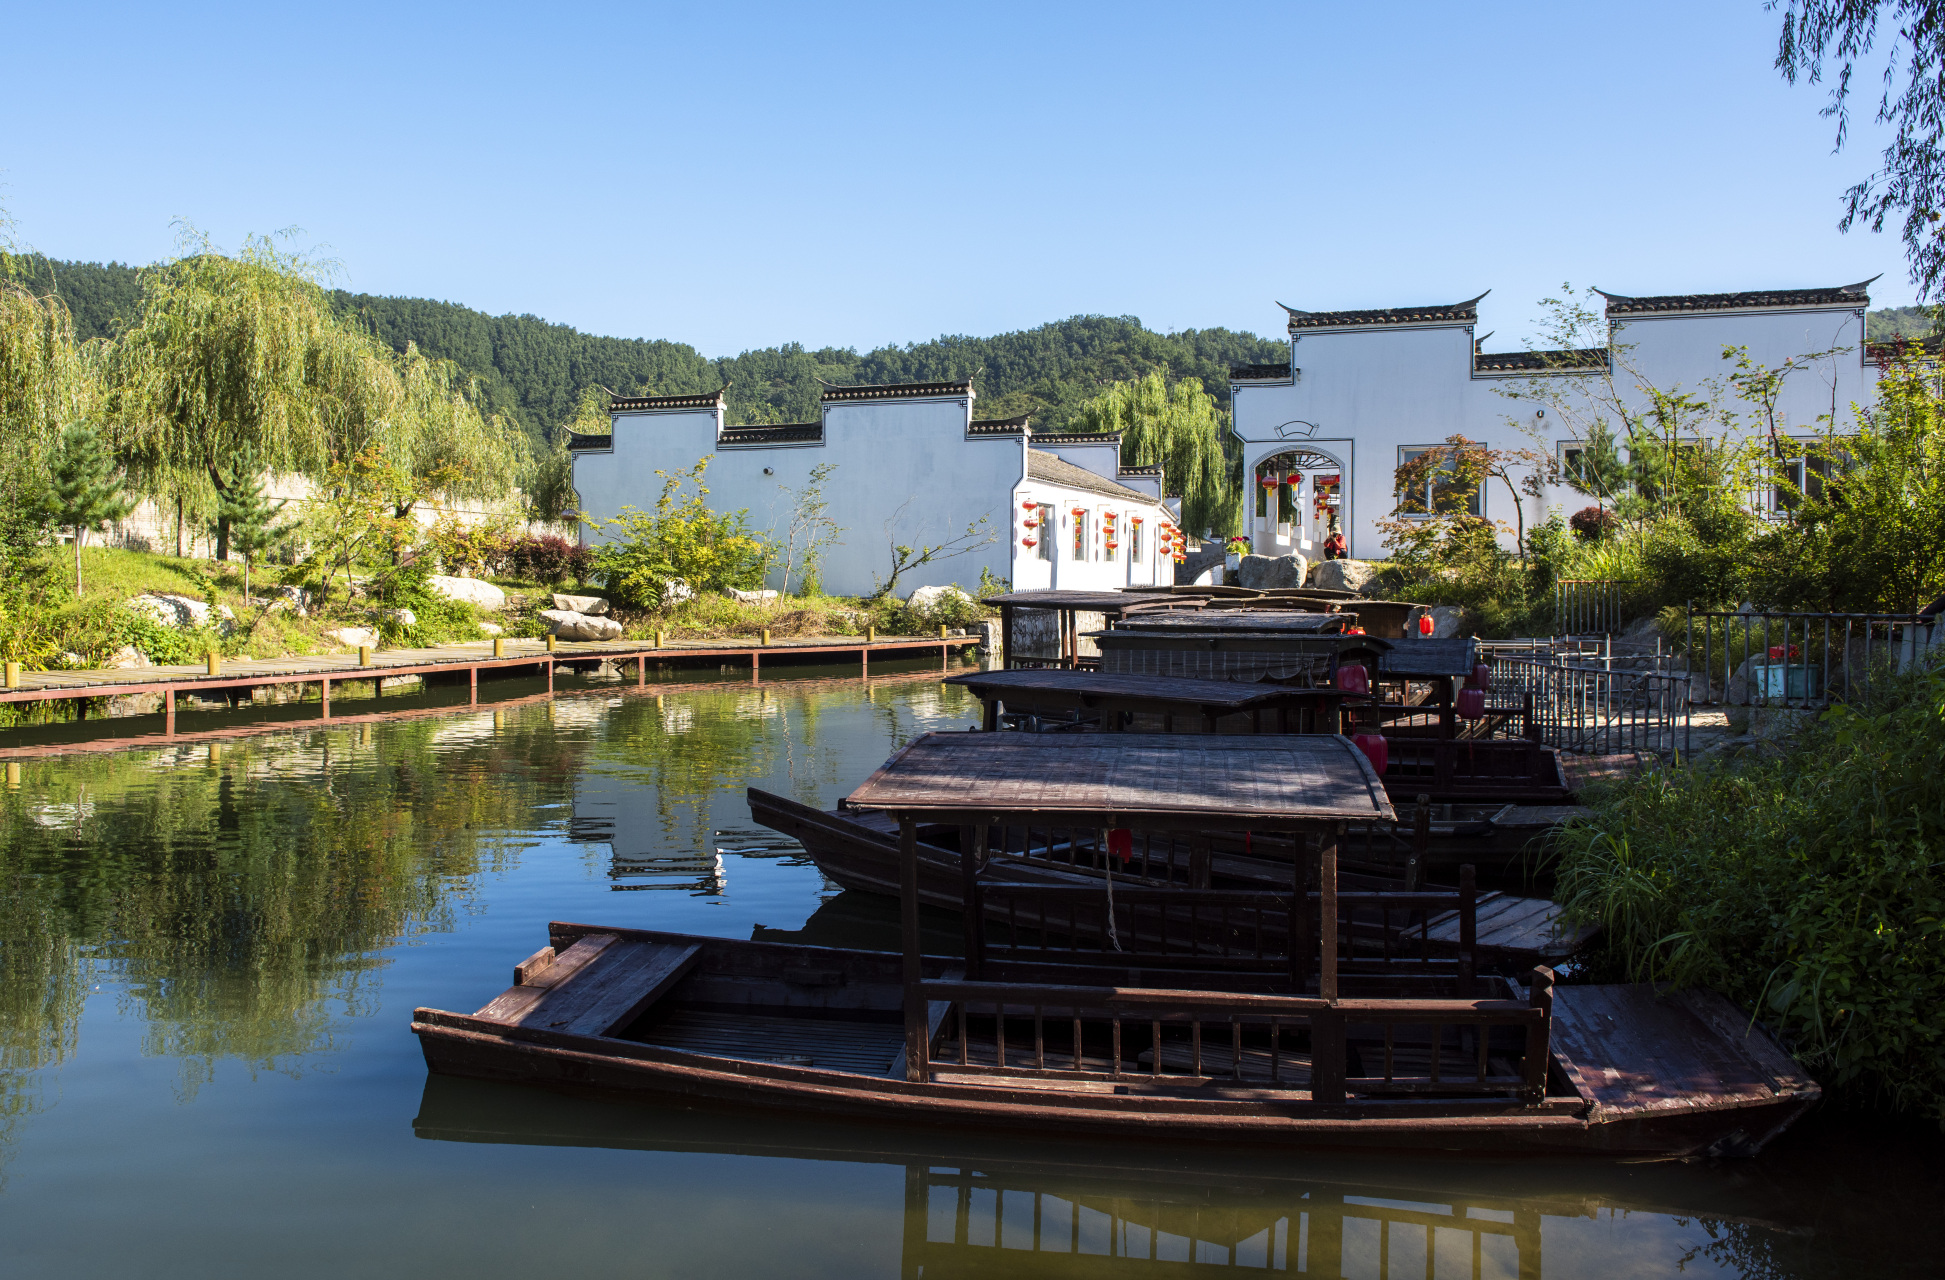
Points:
(1897, 322)
(534, 371)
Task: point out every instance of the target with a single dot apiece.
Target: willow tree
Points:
(47, 379)
(1182, 428)
(242, 352)
(440, 437)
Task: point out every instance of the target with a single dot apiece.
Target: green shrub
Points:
(682, 539)
(1808, 888)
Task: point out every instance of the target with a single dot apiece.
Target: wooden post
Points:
(499, 646)
(641, 672)
(1468, 930)
(1447, 725)
(871, 633)
(1006, 637)
(1327, 920)
(324, 697)
(864, 663)
(661, 639)
(756, 665)
(13, 675)
(914, 970)
(549, 664)
(553, 642)
(992, 722)
(169, 711)
(1539, 1035)
(766, 636)
(364, 655)
(1421, 841)
(1327, 1056)
(1299, 914)
(972, 851)
(472, 686)
(214, 663)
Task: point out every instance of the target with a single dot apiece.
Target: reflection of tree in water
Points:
(240, 896)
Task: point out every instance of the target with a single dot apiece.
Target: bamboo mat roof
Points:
(1261, 781)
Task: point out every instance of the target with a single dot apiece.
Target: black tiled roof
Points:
(772, 433)
(622, 404)
(1575, 358)
(1258, 372)
(1078, 437)
(578, 443)
(1152, 469)
(898, 390)
(1445, 313)
(1846, 295)
(1000, 426)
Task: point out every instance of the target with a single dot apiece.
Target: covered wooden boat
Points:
(860, 851)
(1110, 702)
(821, 1032)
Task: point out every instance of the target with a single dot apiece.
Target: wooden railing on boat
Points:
(1254, 1052)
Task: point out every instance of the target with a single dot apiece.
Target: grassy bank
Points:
(1808, 887)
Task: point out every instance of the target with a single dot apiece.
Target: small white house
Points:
(911, 466)
(1364, 391)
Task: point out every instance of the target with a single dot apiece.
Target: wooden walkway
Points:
(325, 670)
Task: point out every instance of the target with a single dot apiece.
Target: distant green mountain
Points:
(534, 371)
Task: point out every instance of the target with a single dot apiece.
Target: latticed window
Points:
(1047, 527)
(1080, 533)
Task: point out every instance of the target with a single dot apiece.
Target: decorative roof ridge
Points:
(1078, 437)
(1258, 372)
(897, 390)
(577, 442)
(707, 400)
(1561, 360)
(1438, 313)
(1844, 295)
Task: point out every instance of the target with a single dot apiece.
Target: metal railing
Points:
(1595, 708)
(1589, 606)
(1797, 660)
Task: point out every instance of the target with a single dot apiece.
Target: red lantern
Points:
(1471, 703)
(1482, 676)
(1269, 482)
(1374, 748)
(1121, 844)
(1425, 624)
(1029, 542)
(1353, 678)
(1029, 504)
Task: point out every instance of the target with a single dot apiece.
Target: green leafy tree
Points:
(1181, 427)
(85, 489)
(683, 540)
(251, 514)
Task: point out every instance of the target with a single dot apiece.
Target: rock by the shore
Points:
(474, 592)
(1342, 575)
(127, 658)
(569, 625)
(591, 606)
(172, 610)
(1262, 573)
(353, 637)
(752, 597)
(927, 601)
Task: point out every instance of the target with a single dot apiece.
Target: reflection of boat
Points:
(975, 1203)
(860, 851)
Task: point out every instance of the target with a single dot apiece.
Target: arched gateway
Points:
(1298, 497)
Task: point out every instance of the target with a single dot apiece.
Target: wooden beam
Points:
(914, 967)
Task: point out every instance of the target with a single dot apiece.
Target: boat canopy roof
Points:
(1260, 782)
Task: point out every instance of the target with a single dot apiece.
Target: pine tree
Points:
(85, 489)
(250, 514)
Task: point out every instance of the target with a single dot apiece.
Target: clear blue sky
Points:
(740, 175)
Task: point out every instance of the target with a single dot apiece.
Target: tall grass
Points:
(1808, 888)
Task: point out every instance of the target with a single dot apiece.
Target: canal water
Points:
(210, 954)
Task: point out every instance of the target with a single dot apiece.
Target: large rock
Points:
(569, 625)
(1261, 573)
(127, 658)
(182, 611)
(934, 603)
(592, 606)
(752, 597)
(353, 637)
(1342, 575)
(675, 591)
(405, 618)
(483, 595)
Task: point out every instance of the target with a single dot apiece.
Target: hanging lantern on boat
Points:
(1353, 678)
(1482, 676)
(1425, 624)
(1374, 748)
(1471, 703)
(1121, 844)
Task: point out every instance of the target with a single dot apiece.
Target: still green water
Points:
(208, 962)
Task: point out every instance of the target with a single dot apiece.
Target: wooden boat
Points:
(1112, 1028)
(1052, 698)
(1616, 1071)
(860, 851)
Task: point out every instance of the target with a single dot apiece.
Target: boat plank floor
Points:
(830, 1044)
(1629, 1050)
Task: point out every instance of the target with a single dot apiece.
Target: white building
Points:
(910, 466)
(1364, 390)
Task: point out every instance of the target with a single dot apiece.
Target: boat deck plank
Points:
(831, 1044)
(1630, 1050)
